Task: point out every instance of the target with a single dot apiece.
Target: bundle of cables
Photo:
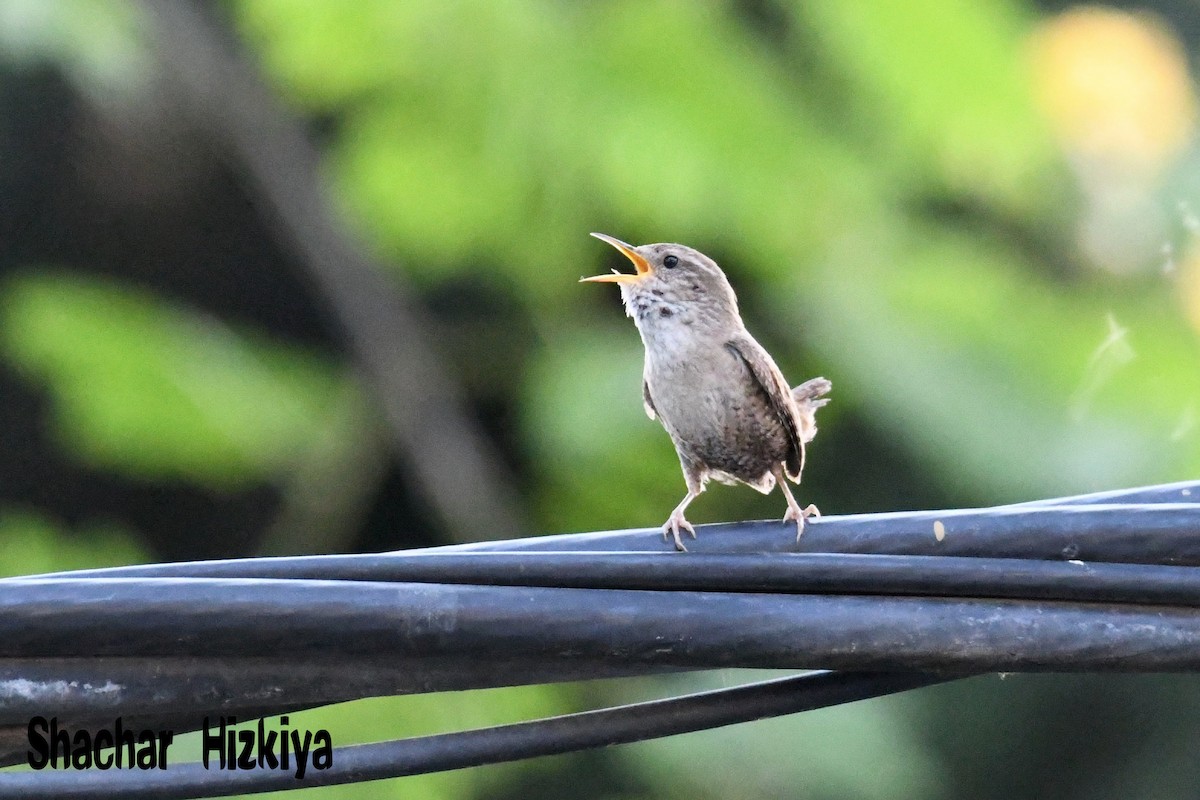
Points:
(881, 603)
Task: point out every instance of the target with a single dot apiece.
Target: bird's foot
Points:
(799, 515)
(672, 526)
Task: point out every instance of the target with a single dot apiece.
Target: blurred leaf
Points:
(600, 460)
(1003, 378)
(97, 41)
(31, 545)
(536, 122)
(817, 754)
(945, 87)
(152, 390)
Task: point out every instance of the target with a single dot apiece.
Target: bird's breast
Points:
(713, 408)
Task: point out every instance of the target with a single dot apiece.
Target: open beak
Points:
(639, 263)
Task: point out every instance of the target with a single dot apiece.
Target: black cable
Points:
(249, 618)
(188, 686)
(1165, 533)
(449, 751)
(1161, 533)
(180, 690)
(1178, 492)
(754, 619)
(786, 573)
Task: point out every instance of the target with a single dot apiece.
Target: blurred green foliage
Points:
(876, 178)
(94, 41)
(157, 391)
(822, 161)
(33, 544)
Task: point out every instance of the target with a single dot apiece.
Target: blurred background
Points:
(285, 276)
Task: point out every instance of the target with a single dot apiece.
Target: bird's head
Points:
(671, 282)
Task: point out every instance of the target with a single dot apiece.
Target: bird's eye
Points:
(670, 262)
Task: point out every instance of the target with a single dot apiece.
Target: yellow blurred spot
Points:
(939, 530)
(1189, 286)
(1114, 86)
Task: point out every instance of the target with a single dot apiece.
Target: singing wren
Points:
(718, 393)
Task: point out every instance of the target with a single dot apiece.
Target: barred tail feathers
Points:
(810, 396)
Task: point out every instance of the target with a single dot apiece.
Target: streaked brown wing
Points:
(778, 394)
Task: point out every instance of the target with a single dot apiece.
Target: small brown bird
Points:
(718, 393)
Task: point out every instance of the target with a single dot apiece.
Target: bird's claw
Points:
(671, 528)
(798, 515)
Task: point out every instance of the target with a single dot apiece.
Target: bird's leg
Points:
(695, 485)
(677, 521)
(794, 512)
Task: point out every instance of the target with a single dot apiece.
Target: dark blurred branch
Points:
(455, 466)
(331, 486)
